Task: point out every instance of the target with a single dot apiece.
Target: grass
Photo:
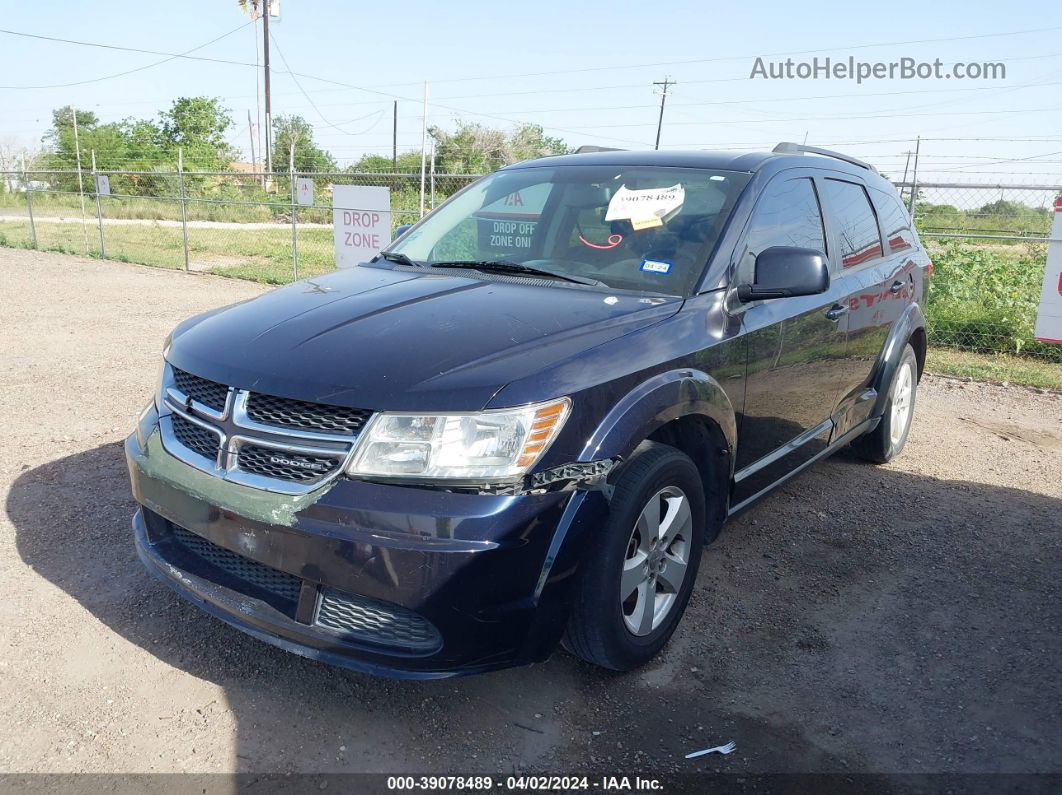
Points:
(982, 301)
(260, 255)
(995, 367)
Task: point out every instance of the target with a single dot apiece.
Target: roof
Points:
(730, 161)
(726, 161)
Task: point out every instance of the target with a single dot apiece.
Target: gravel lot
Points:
(904, 618)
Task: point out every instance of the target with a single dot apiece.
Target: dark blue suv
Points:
(519, 425)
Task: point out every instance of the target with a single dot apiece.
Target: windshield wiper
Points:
(401, 259)
(498, 266)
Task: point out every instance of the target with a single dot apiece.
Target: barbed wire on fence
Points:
(988, 241)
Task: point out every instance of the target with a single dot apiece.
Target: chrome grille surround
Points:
(327, 453)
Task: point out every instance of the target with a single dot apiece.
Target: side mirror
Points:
(402, 229)
(786, 271)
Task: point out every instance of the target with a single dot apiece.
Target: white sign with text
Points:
(304, 191)
(1049, 318)
(361, 218)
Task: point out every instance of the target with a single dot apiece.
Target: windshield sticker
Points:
(656, 266)
(647, 223)
(643, 205)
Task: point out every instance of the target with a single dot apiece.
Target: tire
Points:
(887, 441)
(623, 631)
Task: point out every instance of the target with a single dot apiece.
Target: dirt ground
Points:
(904, 618)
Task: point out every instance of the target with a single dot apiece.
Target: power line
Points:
(719, 59)
(169, 57)
(314, 105)
(844, 117)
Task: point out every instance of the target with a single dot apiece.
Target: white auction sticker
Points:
(643, 205)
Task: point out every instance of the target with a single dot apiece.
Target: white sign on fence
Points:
(103, 185)
(304, 191)
(1049, 318)
(361, 218)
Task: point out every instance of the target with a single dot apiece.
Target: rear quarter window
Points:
(894, 220)
(855, 221)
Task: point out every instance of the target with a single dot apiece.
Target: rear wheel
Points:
(887, 441)
(638, 578)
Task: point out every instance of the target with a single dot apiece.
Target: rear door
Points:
(796, 350)
(864, 270)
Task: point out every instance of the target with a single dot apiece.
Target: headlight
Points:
(496, 444)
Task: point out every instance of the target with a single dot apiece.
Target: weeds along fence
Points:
(988, 242)
(241, 224)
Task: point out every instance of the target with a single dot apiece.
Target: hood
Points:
(381, 339)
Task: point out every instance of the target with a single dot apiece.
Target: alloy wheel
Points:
(902, 394)
(656, 560)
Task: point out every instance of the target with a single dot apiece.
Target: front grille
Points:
(374, 621)
(195, 437)
(209, 393)
(280, 583)
(284, 464)
(303, 416)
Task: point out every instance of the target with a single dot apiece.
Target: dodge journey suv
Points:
(519, 425)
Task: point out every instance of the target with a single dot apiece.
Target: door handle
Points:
(835, 311)
(896, 286)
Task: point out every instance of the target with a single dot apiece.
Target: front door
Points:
(796, 348)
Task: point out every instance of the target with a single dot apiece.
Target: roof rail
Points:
(582, 150)
(790, 148)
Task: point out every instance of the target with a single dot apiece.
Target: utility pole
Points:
(914, 179)
(268, 111)
(256, 131)
(250, 132)
(667, 81)
(394, 142)
(423, 147)
(80, 182)
(905, 167)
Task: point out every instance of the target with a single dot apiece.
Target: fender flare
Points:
(665, 397)
(909, 322)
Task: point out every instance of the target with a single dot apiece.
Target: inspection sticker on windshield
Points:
(656, 266)
(643, 205)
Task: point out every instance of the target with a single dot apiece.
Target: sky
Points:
(584, 71)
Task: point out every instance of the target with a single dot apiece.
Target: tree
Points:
(12, 154)
(295, 131)
(408, 163)
(197, 126)
(475, 149)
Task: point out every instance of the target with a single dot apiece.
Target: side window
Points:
(894, 220)
(856, 223)
(787, 215)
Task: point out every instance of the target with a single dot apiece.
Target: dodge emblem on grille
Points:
(316, 466)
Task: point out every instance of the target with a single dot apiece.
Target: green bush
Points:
(985, 298)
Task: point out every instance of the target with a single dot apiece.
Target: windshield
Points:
(639, 228)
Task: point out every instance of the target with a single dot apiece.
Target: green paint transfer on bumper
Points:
(160, 472)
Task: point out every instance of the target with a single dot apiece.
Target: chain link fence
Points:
(988, 242)
(989, 245)
(241, 224)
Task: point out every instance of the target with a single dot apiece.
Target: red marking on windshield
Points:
(613, 241)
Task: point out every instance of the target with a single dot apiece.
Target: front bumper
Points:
(445, 583)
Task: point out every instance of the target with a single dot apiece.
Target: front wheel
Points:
(887, 441)
(640, 571)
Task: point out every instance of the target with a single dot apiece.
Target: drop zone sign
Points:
(1049, 318)
(361, 220)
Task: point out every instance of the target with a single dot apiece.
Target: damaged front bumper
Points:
(388, 579)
